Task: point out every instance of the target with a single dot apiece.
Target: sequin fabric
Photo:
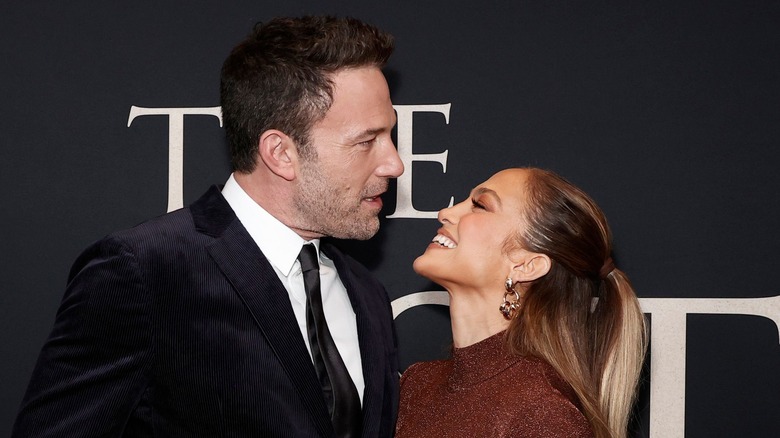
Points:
(483, 391)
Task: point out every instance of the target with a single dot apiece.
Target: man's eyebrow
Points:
(486, 191)
(367, 133)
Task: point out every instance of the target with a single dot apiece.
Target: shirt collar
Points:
(277, 241)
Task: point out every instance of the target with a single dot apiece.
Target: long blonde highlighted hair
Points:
(583, 316)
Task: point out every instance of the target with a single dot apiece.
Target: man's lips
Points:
(374, 200)
(376, 194)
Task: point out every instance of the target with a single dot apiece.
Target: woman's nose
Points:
(450, 215)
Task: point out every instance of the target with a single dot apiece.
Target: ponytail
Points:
(583, 316)
(620, 339)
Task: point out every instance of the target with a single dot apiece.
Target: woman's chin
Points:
(432, 270)
(422, 266)
(418, 266)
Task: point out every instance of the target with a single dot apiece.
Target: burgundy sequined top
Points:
(483, 391)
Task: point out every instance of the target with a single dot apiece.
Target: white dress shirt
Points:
(281, 247)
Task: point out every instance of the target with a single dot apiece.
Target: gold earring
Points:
(509, 308)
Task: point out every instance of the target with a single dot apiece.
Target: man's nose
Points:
(391, 165)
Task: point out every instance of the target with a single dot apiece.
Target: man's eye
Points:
(368, 142)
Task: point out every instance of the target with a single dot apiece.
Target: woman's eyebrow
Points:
(485, 191)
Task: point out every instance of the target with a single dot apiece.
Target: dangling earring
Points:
(508, 309)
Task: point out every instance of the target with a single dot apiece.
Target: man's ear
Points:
(531, 266)
(277, 150)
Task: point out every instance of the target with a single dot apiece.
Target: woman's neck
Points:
(474, 318)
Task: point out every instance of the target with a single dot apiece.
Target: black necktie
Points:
(340, 393)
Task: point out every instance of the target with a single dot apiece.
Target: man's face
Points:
(339, 190)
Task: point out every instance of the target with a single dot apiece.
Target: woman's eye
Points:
(477, 204)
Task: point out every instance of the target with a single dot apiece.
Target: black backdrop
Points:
(666, 112)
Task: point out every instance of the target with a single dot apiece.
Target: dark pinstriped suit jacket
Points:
(180, 327)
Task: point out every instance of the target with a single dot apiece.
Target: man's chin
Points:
(360, 230)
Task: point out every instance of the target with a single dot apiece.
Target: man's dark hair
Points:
(280, 78)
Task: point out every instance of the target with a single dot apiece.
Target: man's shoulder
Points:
(204, 219)
(210, 208)
(175, 223)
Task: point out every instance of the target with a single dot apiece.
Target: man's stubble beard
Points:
(323, 210)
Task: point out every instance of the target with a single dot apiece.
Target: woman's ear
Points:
(278, 152)
(531, 266)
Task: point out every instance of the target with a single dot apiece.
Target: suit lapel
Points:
(369, 339)
(258, 286)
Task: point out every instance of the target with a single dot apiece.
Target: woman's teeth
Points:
(445, 241)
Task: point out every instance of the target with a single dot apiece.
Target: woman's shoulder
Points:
(549, 377)
(420, 370)
(537, 372)
(428, 375)
(550, 405)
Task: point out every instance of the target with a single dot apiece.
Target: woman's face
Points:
(469, 249)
